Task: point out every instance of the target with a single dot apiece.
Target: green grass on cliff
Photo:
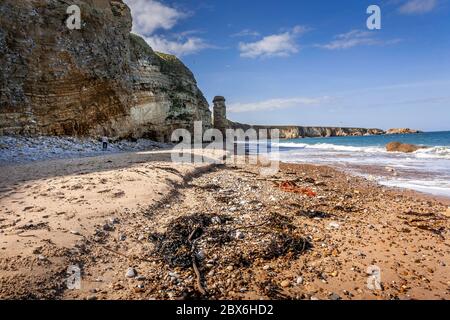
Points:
(167, 57)
(140, 42)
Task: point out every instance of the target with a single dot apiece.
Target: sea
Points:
(426, 170)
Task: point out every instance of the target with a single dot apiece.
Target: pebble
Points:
(141, 237)
(131, 273)
(139, 288)
(334, 225)
(26, 149)
(216, 220)
(230, 268)
(266, 267)
(122, 237)
(239, 235)
(447, 213)
(108, 227)
(285, 283)
(299, 280)
(77, 233)
(114, 220)
(201, 255)
(334, 296)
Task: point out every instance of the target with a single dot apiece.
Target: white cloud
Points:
(179, 47)
(275, 104)
(277, 45)
(150, 15)
(246, 33)
(418, 6)
(355, 38)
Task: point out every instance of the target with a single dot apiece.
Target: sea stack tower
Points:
(220, 114)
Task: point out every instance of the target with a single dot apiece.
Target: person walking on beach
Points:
(105, 143)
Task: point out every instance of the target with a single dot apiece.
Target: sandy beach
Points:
(141, 227)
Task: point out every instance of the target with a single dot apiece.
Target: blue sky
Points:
(312, 62)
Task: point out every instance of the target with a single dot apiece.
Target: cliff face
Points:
(337, 132)
(294, 132)
(286, 132)
(94, 81)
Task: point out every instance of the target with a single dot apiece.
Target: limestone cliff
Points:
(94, 81)
(286, 132)
(294, 132)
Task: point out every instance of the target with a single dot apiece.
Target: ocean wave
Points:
(434, 152)
(438, 152)
(436, 187)
(329, 146)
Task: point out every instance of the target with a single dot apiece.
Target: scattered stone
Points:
(334, 296)
(285, 283)
(201, 255)
(108, 227)
(447, 213)
(131, 273)
(216, 220)
(37, 250)
(334, 225)
(139, 288)
(114, 220)
(239, 235)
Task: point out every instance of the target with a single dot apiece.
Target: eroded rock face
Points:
(402, 131)
(294, 132)
(100, 80)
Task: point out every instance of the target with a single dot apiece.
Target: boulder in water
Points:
(402, 147)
